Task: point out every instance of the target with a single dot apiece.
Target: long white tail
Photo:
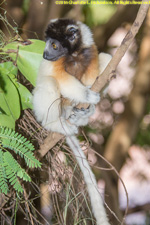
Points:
(96, 200)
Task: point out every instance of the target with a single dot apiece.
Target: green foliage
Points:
(87, 11)
(13, 171)
(25, 6)
(103, 13)
(3, 177)
(14, 96)
(147, 221)
(10, 170)
(27, 55)
(143, 137)
(20, 145)
(9, 98)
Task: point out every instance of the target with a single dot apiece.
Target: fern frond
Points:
(3, 177)
(20, 145)
(10, 170)
(13, 171)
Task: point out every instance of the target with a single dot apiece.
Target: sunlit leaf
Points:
(7, 121)
(9, 97)
(28, 57)
(25, 97)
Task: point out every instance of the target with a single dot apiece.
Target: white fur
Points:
(72, 25)
(74, 90)
(47, 102)
(86, 34)
(95, 197)
(53, 20)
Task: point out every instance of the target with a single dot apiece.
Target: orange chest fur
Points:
(84, 66)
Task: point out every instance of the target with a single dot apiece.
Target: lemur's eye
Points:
(72, 32)
(72, 29)
(54, 46)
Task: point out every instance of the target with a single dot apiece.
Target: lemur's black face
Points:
(63, 38)
(53, 50)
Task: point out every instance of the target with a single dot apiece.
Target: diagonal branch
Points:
(53, 138)
(128, 39)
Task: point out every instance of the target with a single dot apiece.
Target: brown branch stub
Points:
(104, 77)
(49, 142)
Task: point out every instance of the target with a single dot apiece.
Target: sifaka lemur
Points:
(69, 67)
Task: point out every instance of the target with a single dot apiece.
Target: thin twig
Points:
(28, 209)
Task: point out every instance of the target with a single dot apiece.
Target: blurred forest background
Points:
(119, 130)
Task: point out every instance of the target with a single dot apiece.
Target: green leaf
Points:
(20, 145)
(7, 121)
(23, 175)
(28, 57)
(9, 67)
(3, 178)
(12, 166)
(9, 97)
(25, 97)
(24, 94)
(10, 170)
